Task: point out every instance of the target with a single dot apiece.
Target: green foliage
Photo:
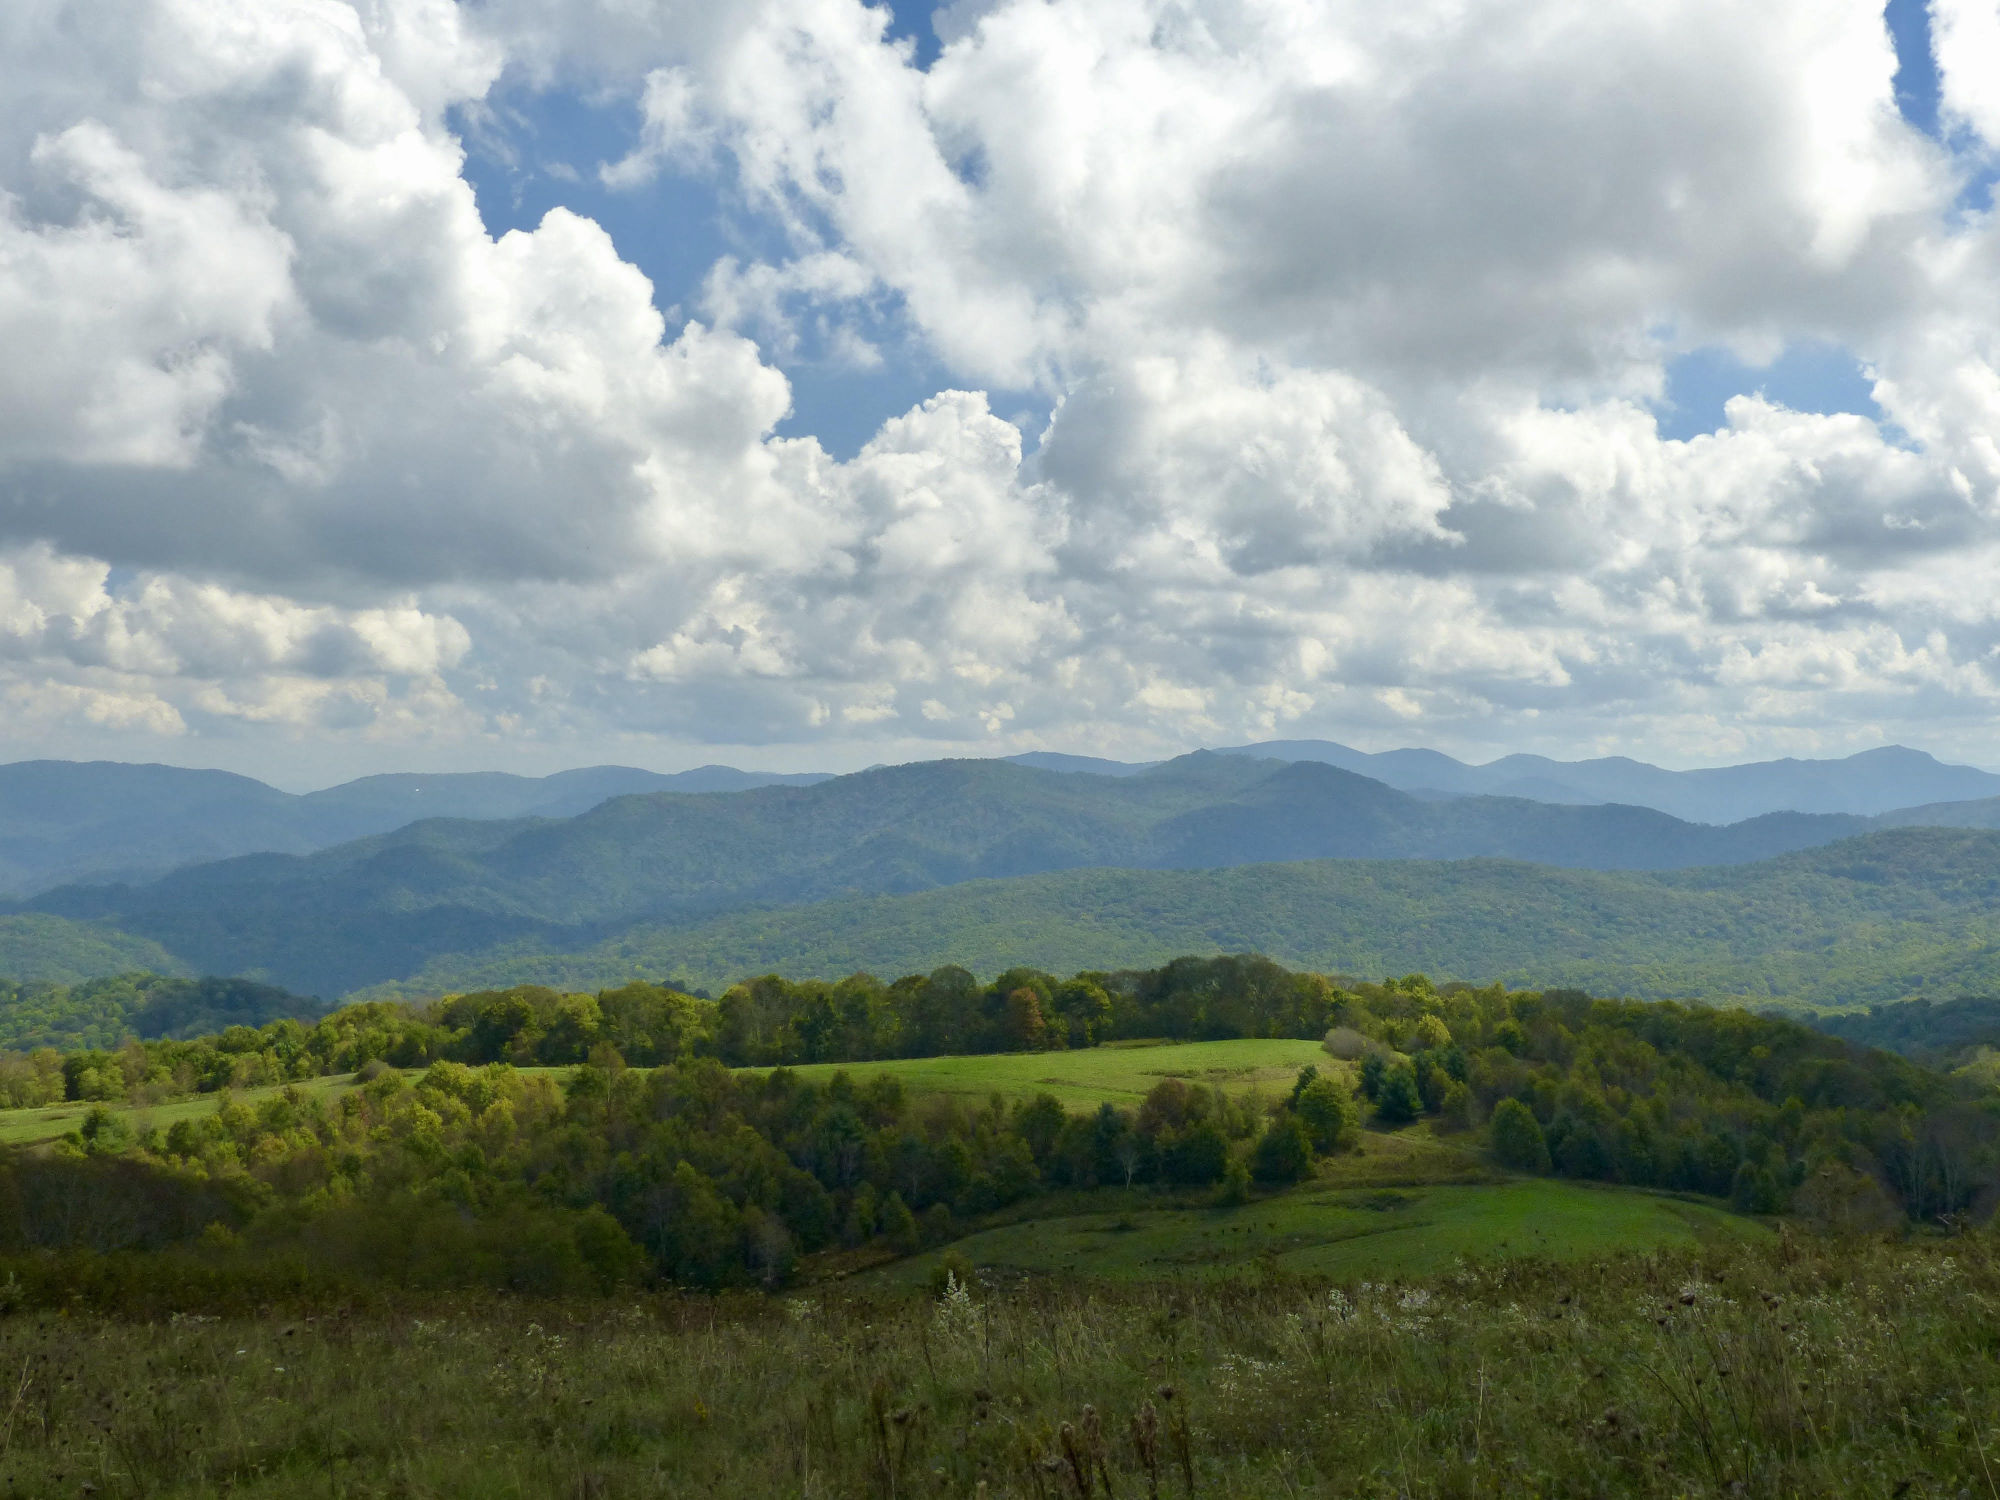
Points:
(1397, 1101)
(1235, 1188)
(1517, 1137)
(1284, 1154)
(105, 1013)
(51, 950)
(1326, 1110)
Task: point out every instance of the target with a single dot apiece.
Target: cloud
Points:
(1967, 41)
(1351, 326)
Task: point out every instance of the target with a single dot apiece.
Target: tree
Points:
(1199, 1155)
(1024, 1024)
(1431, 1032)
(1374, 1066)
(1517, 1138)
(1396, 1100)
(896, 1223)
(1327, 1112)
(1283, 1153)
(1235, 1186)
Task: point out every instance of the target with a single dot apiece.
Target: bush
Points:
(952, 1268)
(1235, 1187)
(1517, 1136)
(896, 1223)
(1283, 1154)
(1397, 1101)
(1345, 1043)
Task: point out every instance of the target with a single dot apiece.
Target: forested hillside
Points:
(1871, 920)
(381, 909)
(56, 950)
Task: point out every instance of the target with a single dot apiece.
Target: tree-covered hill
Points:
(153, 1007)
(56, 950)
(382, 908)
(1867, 921)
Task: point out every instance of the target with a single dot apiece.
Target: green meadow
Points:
(28, 1127)
(1344, 1233)
(1120, 1073)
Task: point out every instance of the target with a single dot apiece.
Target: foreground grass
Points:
(1775, 1369)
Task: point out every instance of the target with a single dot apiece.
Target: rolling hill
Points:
(1868, 921)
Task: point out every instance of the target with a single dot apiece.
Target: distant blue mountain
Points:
(62, 822)
(1875, 781)
(382, 908)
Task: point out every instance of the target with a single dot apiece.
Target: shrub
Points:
(1283, 1154)
(952, 1269)
(896, 1223)
(1235, 1187)
(1345, 1043)
(1396, 1099)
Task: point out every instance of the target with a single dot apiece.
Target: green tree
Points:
(897, 1224)
(1517, 1138)
(1397, 1101)
(1283, 1153)
(1327, 1112)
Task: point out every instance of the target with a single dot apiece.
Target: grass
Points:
(28, 1127)
(1083, 1079)
(1346, 1233)
(1801, 1369)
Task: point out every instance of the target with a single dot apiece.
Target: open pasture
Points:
(1346, 1233)
(1120, 1073)
(28, 1127)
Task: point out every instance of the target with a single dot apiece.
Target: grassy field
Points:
(27, 1127)
(1345, 1234)
(1082, 1079)
(1088, 1077)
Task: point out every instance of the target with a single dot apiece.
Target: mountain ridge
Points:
(106, 821)
(381, 907)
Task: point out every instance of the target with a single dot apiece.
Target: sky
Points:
(403, 384)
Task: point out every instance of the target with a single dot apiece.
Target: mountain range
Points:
(64, 822)
(1872, 782)
(68, 821)
(381, 908)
